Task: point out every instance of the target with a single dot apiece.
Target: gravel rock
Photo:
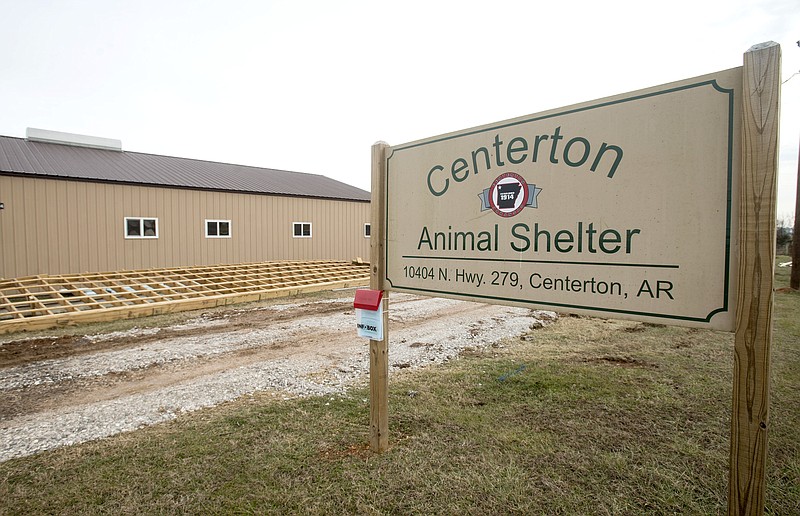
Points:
(312, 353)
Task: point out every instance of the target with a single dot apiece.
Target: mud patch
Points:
(620, 361)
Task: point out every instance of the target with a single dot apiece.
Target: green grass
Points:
(587, 416)
(783, 473)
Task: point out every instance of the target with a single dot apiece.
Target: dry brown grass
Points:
(586, 416)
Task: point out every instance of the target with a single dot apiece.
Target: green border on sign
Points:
(724, 308)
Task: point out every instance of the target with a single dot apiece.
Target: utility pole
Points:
(794, 281)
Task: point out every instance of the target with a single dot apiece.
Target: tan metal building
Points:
(70, 204)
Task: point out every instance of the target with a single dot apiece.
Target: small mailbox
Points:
(369, 313)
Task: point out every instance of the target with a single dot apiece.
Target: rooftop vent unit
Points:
(76, 140)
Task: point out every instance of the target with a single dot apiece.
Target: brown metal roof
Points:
(20, 156)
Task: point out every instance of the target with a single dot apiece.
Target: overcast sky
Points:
(309, 86)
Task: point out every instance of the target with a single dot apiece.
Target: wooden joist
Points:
(40, 302)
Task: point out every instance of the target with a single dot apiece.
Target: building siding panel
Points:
(52, 226)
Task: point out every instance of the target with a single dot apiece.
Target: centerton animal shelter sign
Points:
(622, 207)
(657, 205)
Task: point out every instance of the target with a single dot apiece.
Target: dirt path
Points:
(69, 389)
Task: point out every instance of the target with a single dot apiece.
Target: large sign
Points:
(622, 207)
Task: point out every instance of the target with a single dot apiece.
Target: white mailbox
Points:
(369, 313)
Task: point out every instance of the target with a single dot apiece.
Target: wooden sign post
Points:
(379, 349)
(751, 373)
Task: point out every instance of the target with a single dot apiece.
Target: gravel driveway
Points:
(100, 385)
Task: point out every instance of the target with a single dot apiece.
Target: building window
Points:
(141, 227)
(367, 230)
(301, 229)
(218, 228)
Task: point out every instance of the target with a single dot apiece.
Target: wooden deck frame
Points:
(41, 302)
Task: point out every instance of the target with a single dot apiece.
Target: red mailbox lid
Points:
(368, 299)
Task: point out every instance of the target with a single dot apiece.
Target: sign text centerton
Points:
(621, 207)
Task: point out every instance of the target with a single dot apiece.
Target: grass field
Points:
(587, 416)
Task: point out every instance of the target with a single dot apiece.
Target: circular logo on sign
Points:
(508, 194)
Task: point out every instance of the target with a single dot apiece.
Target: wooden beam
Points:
(162, 307)
(751, 373)
(379, 349)
(158, 291)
